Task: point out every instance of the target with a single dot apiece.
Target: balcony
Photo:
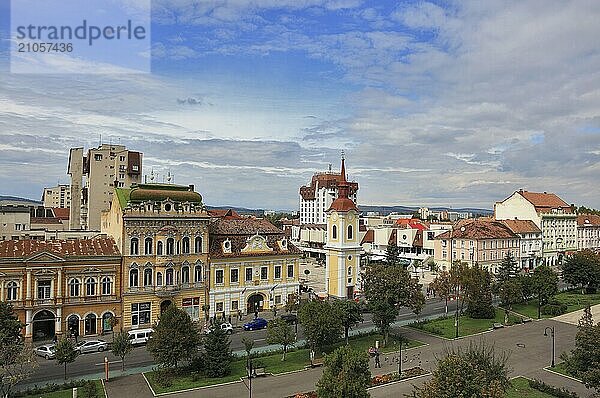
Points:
(166, 291)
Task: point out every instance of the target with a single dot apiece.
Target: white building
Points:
(588, 231)
(530, 238)
(58, 196)
(317, 197)
(551, 214)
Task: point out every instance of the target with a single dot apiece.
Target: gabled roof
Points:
(224, 213)
(522, 226)
(478, 229)
(588, 220)
(70, 247)
(62, 213)
(544, 202)
(412, 223)
(369, 237)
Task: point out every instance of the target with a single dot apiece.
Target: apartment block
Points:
(58, 196)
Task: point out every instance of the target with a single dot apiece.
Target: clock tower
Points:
(342, 249)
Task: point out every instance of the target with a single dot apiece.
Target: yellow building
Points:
(253, 266)
(62, 286)
(162, 232)
(342, 258)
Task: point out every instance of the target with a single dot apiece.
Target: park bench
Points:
(497, 326)
(258, 372)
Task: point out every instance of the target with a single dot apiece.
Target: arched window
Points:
(198, 244)
(133, 277)
(134, 247)
(198, 273)
(349, 271)
(185, 274)
(90, 287)
(350, 232)
(334, 232)
(11, 291)
(148, 277)
(158, 279)
(90, 324)
(159, 248)
(106, 286)
(185, 245)
(73, 324)
(74, 285)
(169, 277)
(148, 246)
(170, 246)
(107, 321)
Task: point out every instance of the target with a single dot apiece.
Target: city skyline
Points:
(453, 104)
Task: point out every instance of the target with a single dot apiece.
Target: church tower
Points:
(343, 247)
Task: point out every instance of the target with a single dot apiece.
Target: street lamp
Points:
(401, 343)
(551, 328)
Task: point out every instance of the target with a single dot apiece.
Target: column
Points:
(28, 324)
(2, 296)
(59, 285)
(28, 296)
(58, 326)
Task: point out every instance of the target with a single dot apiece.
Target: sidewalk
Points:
(132, 386)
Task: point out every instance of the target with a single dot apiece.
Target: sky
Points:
(434, 103)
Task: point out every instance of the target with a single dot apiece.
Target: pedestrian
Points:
(229, 318)
(377, 362)
(240, 315)
(255, 314)
(55, 339)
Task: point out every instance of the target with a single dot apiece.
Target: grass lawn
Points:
(573, 299)
(562, 369)
(68, 393)
(520, 389)
(294, 360)
(466, 326)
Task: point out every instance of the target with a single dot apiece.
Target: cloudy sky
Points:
(435, 103)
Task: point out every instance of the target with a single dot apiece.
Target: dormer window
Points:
(168, 207)
(227, 246)
(284, 243)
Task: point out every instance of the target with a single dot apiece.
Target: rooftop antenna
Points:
(169, 176)
(100, 144)
(152, 175)
(330, 167)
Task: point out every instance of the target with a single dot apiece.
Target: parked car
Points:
(225, 326)
(47, 351)
(256, 324)
(140, 336)
(290, 318)
(91, 346)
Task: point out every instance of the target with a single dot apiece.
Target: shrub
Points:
(551, 390)
(554, 308)
(163, 378)
(89, 390)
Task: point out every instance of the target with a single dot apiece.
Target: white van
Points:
(140, 336)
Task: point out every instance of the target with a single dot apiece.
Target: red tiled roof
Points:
(343, 204)
(478, 229)
(70, 247)
(62, 213)
(328, 180)
(228, 214)
(521, 226)
(588, 220)
(45, 220)
(369, 237)
(412, 223)
(544, 201)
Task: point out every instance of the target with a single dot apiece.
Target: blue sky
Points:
(435, 103)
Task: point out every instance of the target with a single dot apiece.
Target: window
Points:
(121, 158)
(74, 287)
(264, 273)
(198, 273)
(169, 277)
(90, 287)
(350, 232)
(159, 279)
(134, 247)
(107, 318)
(170, 246)
(90, 324)
(148, 277)
(185, 274)
(191, 305)
(44, 290)
(234, 275)
(106, 286)
(133, 277)
(219, 307)
(185, 245)
(159, 248)
(278, 272)
(334, 232)
(290, 270)
(219, 276)
(11, 291)
(140, 314)
(278, 299)
(349, 270)
(234, 305)
(198, 244)
(97, 157)
(248, 274)
(148, 246)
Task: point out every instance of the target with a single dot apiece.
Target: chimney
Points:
(191, 187)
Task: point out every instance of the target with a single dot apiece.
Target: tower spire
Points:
(343, 170)
(343, 186)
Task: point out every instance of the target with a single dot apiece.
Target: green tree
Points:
(121, 346)
(322, 324)
(584, 361)
(175, 339)
(293, 303)
(217, 354)
(475, 372)
(508, 269)
(248, 346)
(65, 353)
(346, 374)
(443, 286)
(350, 314)
(280, 332)
(510, 291)
(392, 254)
(477, 284)
(582, 269)
(543, 285)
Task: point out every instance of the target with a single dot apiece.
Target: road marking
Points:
(259, 339)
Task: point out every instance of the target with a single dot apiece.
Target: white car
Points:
(91, 346)
(47, 351)
(225, 326)
(140, 336)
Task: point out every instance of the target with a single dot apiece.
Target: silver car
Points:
(47, 351)
(91, 346)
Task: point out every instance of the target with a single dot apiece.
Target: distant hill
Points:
(4, 199)
(385, 210)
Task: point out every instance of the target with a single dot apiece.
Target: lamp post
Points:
(456, 299)
(551, 328)
(401, 343)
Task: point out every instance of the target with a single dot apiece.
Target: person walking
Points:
(377, 362)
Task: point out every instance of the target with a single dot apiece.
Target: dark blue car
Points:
(255, 324)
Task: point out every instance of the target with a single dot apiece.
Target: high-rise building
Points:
(317, 197)
(342, 250)
(58, 196)
(93, 178)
